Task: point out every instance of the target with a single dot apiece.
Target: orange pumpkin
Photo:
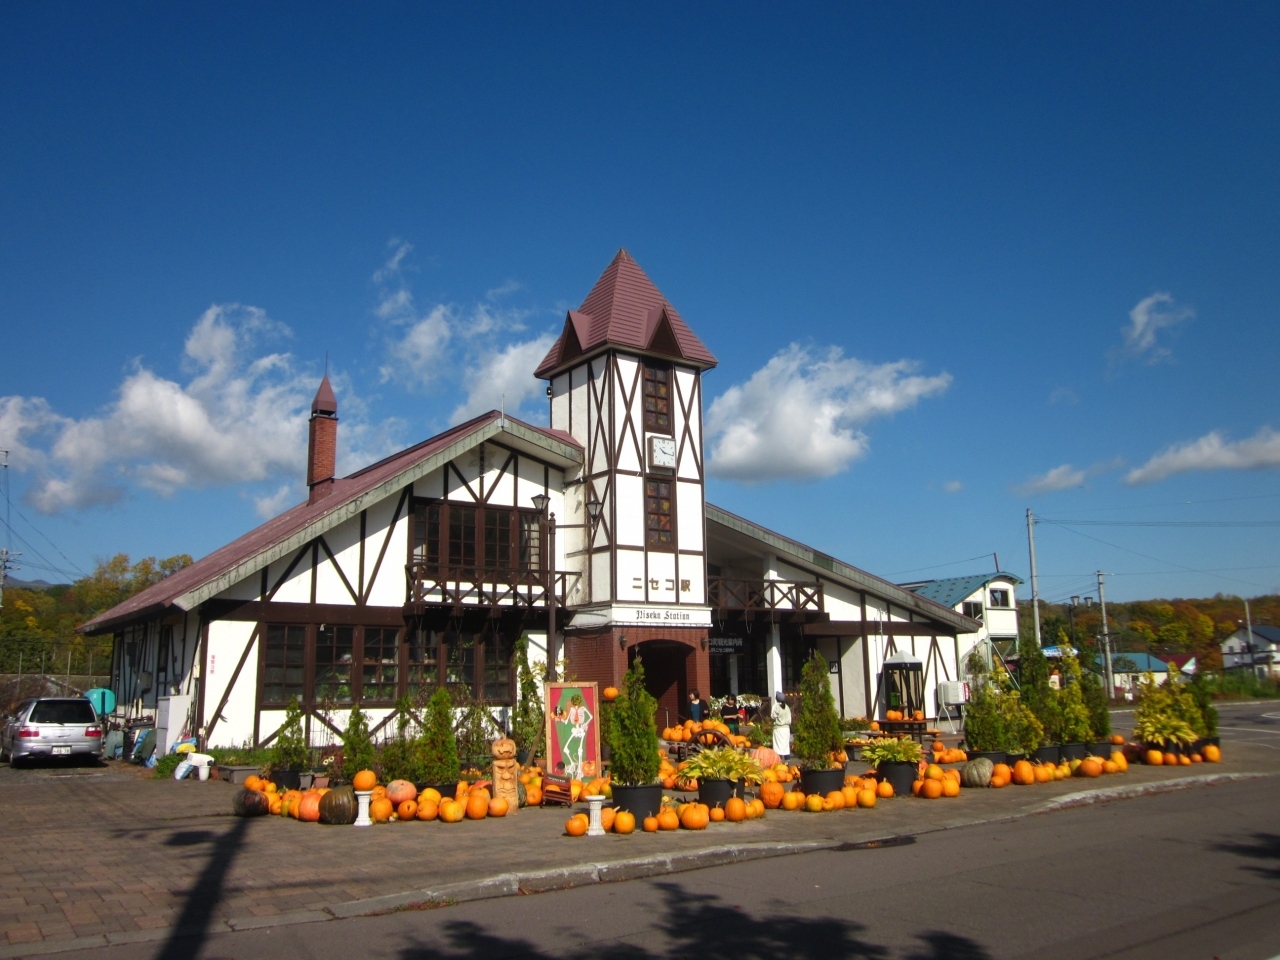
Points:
(1090, 767)
(813, 803)
(1043, 772)
(427, 809)
(1212, 753)
(380, 810)
(1117, 740)
(609, 693)
(624, 821)
(477, 805)
(1110, 766)
(308, 806)
(1153, 757)
(364, 780)
(398, 791)
(771, 793)
(1002, 770)
(253, 782)
(884, 790)
(498, 807)
(1184, 761)
(533, 796)
(866, 798)
(793, 800)
(931, 789)
(407, 810)
(950, 788)
(850, 797)
(836, 799)
(650, 825)
(451, 811)
(735, 810)
(1023, 773)
(576, 826)
(668, 819)
(1170, 759)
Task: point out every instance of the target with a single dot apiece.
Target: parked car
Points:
(51, 727)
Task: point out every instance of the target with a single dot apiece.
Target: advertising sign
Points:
(573, 730)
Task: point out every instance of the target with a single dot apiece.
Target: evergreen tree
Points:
(1033, 687)
(357, 746)
(633, 733)
(817, 724)
(290, 751)
(402, 754)
(439, 748)
(528, 725)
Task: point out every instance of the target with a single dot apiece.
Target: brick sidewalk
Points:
(103, 852)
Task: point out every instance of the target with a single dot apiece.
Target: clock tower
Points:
(626, 383)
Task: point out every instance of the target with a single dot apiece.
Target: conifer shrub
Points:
(289, 750)
(817, 723)
(439, 747)
(357, 746)
(633, 735)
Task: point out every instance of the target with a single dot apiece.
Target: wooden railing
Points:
(732, 593)
(483, 586)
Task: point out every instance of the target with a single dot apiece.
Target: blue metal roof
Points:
(1144, 662)
(952, 590)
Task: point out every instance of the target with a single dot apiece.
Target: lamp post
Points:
(541, 503)
(594, 509)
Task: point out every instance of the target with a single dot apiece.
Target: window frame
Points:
(524, 554)
(1004, 594)
(972, 609)
(651, 542)
(649, 375)
(479, 644)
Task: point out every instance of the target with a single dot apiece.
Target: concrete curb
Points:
(1087, 797)
(584, 874)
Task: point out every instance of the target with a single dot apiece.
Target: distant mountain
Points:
(30, 584)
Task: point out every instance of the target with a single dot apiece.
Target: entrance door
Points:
(665, 677)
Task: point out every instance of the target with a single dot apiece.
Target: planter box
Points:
(900, 774)
(1102, 749)
(1051, 754)
(288, 779)
(715, 793)
(1012, 758)
(1074, 751)
(995, 756)
(643, 801)
(235, 774)
(822, 781)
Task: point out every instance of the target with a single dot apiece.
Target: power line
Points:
(938, 566)
(74, 565)
(1160, 523)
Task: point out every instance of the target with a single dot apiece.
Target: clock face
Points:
(662, 452)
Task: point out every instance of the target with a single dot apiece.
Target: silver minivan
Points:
(51, 727)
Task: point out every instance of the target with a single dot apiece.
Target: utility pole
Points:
(7, 556)
(1248, 626)
(1106, 640)
(1035, 584)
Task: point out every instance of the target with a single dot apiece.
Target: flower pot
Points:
(1012, 758)
(320, 781)
(1074, 751)
(288, 779)
(1050, 754)
(715, 793)
(822, 781)
(643, 801)
(1101, 749)
(995, 756)
(900, 774)
(444, 789)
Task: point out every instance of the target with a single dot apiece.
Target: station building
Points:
(592, 537)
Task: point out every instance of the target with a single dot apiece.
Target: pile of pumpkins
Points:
(691, 731)
(982, 772)
(856, 792)
(260, 797)
(944, 754)
(672, 816)
(901, 715)
(1209, 753)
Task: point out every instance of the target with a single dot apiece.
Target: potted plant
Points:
(357, 746)
(439, 749)
(1095, 701)
(816, 736)
(401, 757)
(633, 739)
(1198, 689)
(722, 772)
(290, 754)
(1023, 734)
(1038, 695)
(1074, 730)
(897, 761)
(984, 734)
(528, 727)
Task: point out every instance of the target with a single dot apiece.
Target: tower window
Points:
(657, 514)
(657, 398)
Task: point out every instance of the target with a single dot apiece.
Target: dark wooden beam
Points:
(276, 612)
(876, 628)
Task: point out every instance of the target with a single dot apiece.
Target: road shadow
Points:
(191, 928)
(701, 925)
(1259, 846)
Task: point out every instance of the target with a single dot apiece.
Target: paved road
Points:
(1192, 874)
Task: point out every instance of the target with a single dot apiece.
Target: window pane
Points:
(657, 398)
(497, 668)
(284, 663)
(530, 542)
(426, 532)
(381, 660)
(462, 536)
(497, 539)
(658, 513)
(460, 667)
(424, 660)
(334, 647)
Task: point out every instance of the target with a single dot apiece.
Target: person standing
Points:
(730, 714)
(781, 716)
(697, 707)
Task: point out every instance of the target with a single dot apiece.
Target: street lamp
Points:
(542, 503)
(1071, 612)
(594, 509)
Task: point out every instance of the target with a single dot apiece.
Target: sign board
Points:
(573, 730)
(665, 616)
(726, 644)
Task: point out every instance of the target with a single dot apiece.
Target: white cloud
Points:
(503, 379)
(23, 420)
(953, 486)
(1142, 336)
(241, 418)
(273, 504)
(1211, 452)
(1064, 477)
(799, 417)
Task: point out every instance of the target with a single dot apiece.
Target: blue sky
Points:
(956, 261)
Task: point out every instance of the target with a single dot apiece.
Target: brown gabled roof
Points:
(625, 309)
(287, 532)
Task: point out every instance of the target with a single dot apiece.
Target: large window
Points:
(657, 398)
(381, 664)
(335, 647)
(972, 609)
(479, 662)
(999, 597)
(424, 661)
(458, 537)
(657, 514)
(284, 669)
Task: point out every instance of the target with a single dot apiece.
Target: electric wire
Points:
(75, 566)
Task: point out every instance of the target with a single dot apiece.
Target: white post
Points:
(1035, 584)
(773, 654)
(1106, 641)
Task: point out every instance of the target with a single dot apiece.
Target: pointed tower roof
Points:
(325, 403)
(625, 309)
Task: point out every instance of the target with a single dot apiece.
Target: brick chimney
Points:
(322, 448)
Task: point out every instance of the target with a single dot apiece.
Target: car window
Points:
(63, 711)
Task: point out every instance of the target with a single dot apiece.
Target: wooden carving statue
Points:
(506, 772)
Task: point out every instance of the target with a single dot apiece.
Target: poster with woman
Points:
(573, 730)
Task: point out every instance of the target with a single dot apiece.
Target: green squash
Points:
(250, 803)
(338, 806)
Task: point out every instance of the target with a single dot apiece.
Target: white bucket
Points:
(203, 764)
